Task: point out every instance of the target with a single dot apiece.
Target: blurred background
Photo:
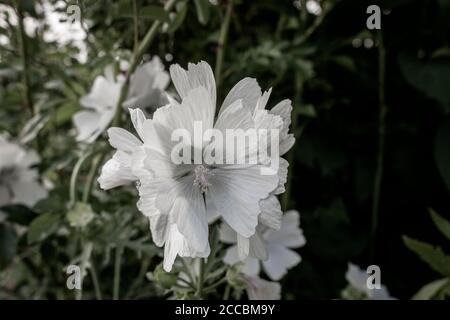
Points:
(371, 118)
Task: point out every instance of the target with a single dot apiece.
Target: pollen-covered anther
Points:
(201, 174)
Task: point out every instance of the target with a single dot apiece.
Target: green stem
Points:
(137, 57)
(222, 41)
(117, 267)
(200, 278)
(381, 138)
(91, 176)
(98, 291)
(136, 25)
(25, 64)
(226, 294)
(73, 178)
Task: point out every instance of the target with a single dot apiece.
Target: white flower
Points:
(260, 289)
(270, 246)
(18, 180)
(357, 279)
(179, 199)
(147, 85)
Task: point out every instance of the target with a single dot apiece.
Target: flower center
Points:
(201, 174)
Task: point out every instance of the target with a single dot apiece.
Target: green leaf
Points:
(203, 10)
(8, 245)
(155, 13)
(433, 256)
(430, 290)
(152, 12)
(431, 77)
(42, 227)
(442, 224)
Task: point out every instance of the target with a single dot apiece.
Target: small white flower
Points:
(18, 180)
(147, 85)
(260, 289)
(273, 247)
(357, 279)
(180, 199)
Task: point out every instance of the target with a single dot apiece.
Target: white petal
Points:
(138, 119)
(123, 140)
(280, 259)
(257, 247)
(87, 124)
(236, 194)
(243, 245)
(271, 212)
(356, 277)
(259, 289)
(196, 106)
(284, 110)
(246, 90)
(250, 266)
(282, 175)
(197, 75)
(28, 192)
(290, 235)
(116, 171)
(188, 212)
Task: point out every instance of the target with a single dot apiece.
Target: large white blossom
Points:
(147, 85)
(180, 199)
(357, 279)
(271, 248)
(19, 181)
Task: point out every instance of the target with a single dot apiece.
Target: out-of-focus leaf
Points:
(442, 152)
(19, 214)
(433, 256)
(179, 17)
(203, 8)
(431, 77)
(442, 224)
(65, 112)
(430, 290)
(43, 226)
(148, 12)
(8, 244)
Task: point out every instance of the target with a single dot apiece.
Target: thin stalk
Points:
(226, 294)
(381, 138)
(200, 278)
(151, 33)
(25, 64)
(98, 291)
(136, 24)
(73, 178)
(91, 176)
(117, 267)
(222, 42)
